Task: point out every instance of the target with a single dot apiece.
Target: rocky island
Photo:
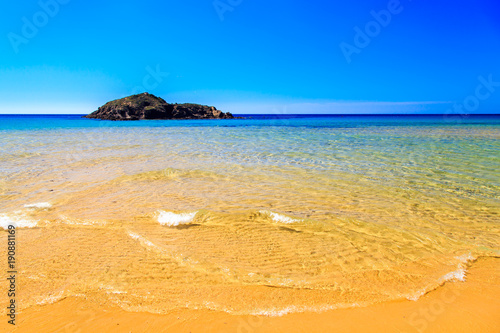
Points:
(148, 106)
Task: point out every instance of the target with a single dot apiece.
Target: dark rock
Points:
(147, 106)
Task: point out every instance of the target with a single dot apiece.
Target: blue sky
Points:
(253, 56)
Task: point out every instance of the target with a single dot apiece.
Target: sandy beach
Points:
(456, 307)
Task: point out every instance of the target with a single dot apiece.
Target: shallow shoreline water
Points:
(289, 214)
(456, 307)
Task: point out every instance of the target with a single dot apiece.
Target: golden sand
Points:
(472, 306)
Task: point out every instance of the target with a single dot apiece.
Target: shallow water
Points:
(264, 216)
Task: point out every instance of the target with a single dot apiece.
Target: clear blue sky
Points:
(252, 55)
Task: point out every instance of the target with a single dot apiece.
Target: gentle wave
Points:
(276, 312)
(21, 218)
(173, 220)
(39, 205)
(458, 275)
(17, 219)
(279, 218)
(143, 240)
(50, 299)
(111, 290)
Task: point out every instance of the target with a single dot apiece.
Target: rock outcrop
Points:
(148, 106)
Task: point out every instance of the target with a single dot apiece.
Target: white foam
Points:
(134, 236)
(415, 297)
(172, 219)
(21, 218)
(458, 275)
(280, 218)
(39, 205)
(49, 299)
(142, 240)
(111, 290)
(300, 309)
(17, 219)
(277, 312)
(465, 258)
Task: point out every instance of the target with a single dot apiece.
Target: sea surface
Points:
(268, 215)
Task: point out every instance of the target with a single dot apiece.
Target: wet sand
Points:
(471, 306)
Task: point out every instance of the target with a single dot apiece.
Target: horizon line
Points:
(283, 114)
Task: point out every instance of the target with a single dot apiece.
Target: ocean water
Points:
(265, 215)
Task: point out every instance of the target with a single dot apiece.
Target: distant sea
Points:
(304, 120)
(268, 215)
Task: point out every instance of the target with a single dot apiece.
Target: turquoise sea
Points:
(335, 121)
(289, 212)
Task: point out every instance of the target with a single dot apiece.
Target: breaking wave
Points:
(39, 205)
(458, 275)
(18, 219)
(279, 218)
(172, 219)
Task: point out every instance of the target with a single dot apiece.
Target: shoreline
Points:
(470, 306)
